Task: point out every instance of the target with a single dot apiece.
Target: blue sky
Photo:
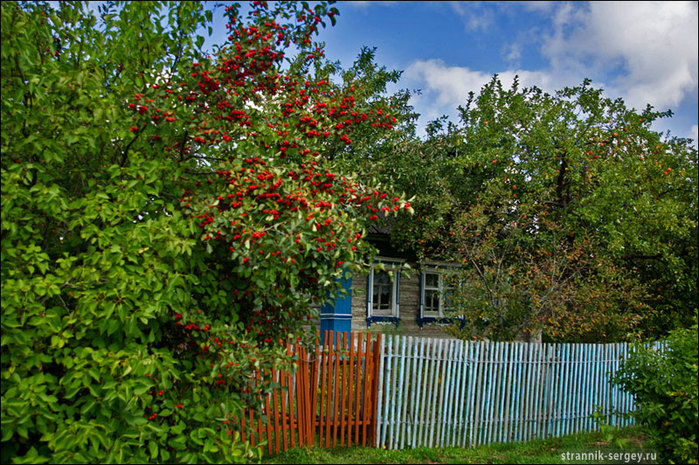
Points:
(644, 52)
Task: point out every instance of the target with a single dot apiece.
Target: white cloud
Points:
(693, 134)
(475, 15)
(512, 52)
(652, 44)
(365, 4)
(644, 52)
(445, 87)
(539, 6)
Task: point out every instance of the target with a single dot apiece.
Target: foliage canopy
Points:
(569, 215)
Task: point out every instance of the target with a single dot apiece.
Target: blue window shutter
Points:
(421, 296)
(397, 278)
(368, 296)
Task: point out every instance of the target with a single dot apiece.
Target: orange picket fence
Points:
(329, 401)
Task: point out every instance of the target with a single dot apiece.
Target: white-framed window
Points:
(383, 290)
(436, 293)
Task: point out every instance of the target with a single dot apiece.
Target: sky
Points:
(643, 52)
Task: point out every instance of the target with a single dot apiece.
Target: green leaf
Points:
(153, 447)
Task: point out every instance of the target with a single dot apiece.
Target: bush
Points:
(166, 218)
(664, 381)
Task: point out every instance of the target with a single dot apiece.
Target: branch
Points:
(200, 157)
(484, 280)
(560, 182)
(178, 53)
(199, 173)
(126, 150)
(184, 140)
(656, 256)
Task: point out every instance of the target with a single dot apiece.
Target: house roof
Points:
(379, 235)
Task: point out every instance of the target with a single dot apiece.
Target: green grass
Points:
(539, 451)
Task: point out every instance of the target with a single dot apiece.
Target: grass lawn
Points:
(539, 451)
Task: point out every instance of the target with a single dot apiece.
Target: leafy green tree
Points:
(569, 215)
(167, 217)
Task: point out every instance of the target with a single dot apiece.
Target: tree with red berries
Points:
(170, 217)
(570, 217)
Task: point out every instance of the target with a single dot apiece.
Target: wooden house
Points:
(406, 297)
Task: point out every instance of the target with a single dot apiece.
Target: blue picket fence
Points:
(445, 392)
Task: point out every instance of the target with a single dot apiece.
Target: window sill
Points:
(430, 320)
(382, 319)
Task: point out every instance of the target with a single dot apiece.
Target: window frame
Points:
(440, 269)
(393, 266)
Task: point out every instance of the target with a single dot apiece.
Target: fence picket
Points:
(468, 384)
(388, 389)
(499, 426)
(268, 424)
(275, 405)
(343, 392)
(584, 394)
(438, 393)
(459, 394)
(376, 378)
(448, 392)
(626, 397)
(606, 387)
(473, 416)
(574, 376)
(368, 381)
(489, 383)
(539, 382)
(358, 389)
(410, 413)
(551, 389)
(508, 413)
(490, 400)
(440, 405)
(502, 407)
(381, 385)
(521, 394)
(405, 392)
(482, 388)
(565, 412)
(337, 393)
(594, 375)
(398, 378)
(283, 382)
(350, 389)
(296, 427)
(579, 377)
(420, 392)
(514, 396)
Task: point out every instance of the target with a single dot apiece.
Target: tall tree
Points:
(568, 213)
(167, 217)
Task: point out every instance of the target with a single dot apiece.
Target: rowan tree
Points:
(167, 217)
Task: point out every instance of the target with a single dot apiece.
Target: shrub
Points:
(663, 378)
